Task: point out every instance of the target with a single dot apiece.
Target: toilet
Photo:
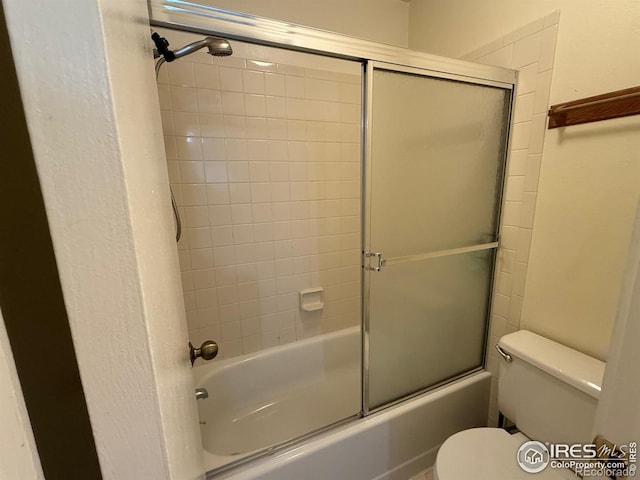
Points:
(548, 390)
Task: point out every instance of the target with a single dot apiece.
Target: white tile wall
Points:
(531, 50)
(264, 163)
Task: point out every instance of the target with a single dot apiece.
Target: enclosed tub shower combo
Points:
(339, 204)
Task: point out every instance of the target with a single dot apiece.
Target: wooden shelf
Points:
(620, 103)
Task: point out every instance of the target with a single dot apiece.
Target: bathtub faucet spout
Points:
(201, 393)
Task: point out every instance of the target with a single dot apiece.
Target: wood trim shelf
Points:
(620, 103)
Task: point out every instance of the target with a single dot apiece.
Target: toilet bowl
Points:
(548, 390)
(487, 454)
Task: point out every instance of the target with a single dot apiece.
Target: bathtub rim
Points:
(315, 439)
(205, 370)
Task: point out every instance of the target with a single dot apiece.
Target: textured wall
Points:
(618, 418)
(18, 454)
(93, 116)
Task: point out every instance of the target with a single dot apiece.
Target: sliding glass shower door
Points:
(434, 172)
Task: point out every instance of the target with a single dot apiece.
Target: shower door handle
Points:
(380, 261)
(383, 262)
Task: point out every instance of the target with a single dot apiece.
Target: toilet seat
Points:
(485, 454)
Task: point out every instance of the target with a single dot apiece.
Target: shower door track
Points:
(190, 17)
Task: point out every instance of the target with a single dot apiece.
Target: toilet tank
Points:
(548, 390)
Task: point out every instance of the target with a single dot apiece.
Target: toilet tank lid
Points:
(570, 366)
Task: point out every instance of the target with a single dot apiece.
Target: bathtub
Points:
(260, 400)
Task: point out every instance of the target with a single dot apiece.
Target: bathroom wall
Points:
(588, 187)
(18, 453)
(618, 417)
(264, 160)
(385, 21)
(91, 106)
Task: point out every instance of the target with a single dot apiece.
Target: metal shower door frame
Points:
(367, 250)
(188, 16)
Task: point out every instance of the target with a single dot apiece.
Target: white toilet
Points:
(548, 390)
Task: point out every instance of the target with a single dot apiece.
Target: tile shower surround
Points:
(264, 162)
(530, 50)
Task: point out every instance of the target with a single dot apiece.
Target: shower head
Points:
(218, 47)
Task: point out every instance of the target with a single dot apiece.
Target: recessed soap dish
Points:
(312, 299)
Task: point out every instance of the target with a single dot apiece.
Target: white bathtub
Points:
(259, 400)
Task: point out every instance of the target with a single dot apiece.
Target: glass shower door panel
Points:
(427, 322)
(435, 170)
(437, 157)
